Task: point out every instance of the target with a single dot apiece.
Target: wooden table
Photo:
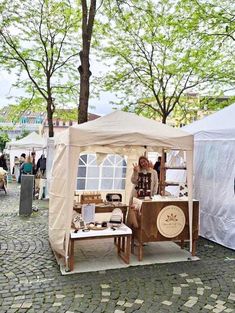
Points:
(106, 208)
(122, 235)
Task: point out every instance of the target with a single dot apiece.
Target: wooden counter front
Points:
(148, 231)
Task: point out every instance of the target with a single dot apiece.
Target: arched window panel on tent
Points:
(110, 175)
(81, 184)
(93, 171)
(83, 160)
(106, 184)
(120, 172)
(82, 171)
(119, 184)
(109, 161)
(92, 184)
(107, 171)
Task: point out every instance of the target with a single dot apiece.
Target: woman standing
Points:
(27, 166)
(145, 180)
(22, 160)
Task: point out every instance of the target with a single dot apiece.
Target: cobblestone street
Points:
(30, 279)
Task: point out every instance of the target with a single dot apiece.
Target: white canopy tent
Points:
(116, 133)
(214, 171)
(31, 142)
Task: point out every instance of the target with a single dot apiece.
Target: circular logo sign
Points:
(171, 221)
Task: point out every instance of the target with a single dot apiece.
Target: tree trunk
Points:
(84, 68)
(164, 117)
(50, 112)
(85, 74)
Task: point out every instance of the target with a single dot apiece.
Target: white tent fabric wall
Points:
(49, 162)
(214, 175)
(214, 187)
(116, 133)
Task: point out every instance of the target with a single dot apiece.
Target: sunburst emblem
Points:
(172, 218)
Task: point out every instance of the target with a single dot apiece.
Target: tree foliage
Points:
(217, 23)
(217, 18)
(4, 138)
(39, 42)
(160, 53)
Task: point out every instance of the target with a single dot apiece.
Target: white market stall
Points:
(214, 170)
(116, 133)
(31, 142)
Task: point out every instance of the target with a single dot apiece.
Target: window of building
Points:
(38, 120)
(110, 175)
(24, 120)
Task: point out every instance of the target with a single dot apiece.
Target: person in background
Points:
(41, 164)
(16, 168)
(22, 160)
(27, 166)
(33, 155)
(143, 167)
(157, 166)
(3, 162)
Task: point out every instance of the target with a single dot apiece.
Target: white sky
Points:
(102, 105)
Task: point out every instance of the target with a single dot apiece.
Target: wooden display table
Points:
(106, 208)
(166, 219)
(122, 235)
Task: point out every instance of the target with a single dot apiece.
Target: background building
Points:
(15, 125)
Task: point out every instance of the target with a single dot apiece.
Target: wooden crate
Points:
(89, 198)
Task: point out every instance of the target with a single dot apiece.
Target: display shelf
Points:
(163, 168)
(170, 183)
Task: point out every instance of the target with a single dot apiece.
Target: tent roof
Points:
(217, 123)
(31, 142)
(121, 129)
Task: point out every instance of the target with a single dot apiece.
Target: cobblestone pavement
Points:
(30, 280)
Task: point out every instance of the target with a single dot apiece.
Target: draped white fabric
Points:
(214, 175)
(214, 185)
